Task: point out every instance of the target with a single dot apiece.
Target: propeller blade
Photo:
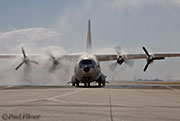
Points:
(118, 50)
(150, 58)
(35, 62)
(113, 66)
(23, 52)
(130, 63)
(52, 69)
(25, 60)
(53, 59)
(19, 65)
(55, 62)
(145, 50)
(60, 58)
(27, 72)
(146, 66)
(27, 68)
(49, 53)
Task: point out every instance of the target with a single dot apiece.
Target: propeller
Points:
(54, 61)
(150, 58)
(25, 60)
(120, 59)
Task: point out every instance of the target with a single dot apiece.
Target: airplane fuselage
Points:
(87, 70)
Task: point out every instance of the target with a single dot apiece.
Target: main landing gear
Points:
(101, 84)
(76, 84)
(88, 84)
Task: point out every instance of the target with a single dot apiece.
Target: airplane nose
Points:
(86, 69)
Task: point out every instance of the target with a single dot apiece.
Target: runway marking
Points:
(172, 88)
(6, 87)
(66, 94)
(76, 102)
(61, 101)
(29, 100)
(50, 98)
(110, 105)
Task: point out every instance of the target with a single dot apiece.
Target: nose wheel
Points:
(87, 84)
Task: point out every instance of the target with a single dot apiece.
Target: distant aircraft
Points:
(87, 68)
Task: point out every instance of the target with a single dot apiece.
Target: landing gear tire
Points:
(103, 84)
(77, 84)
(99, 84)
(73, 84)
(89, 84)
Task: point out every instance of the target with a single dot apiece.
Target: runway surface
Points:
(117, 101)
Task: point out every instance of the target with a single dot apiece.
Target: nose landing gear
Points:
(87, 84)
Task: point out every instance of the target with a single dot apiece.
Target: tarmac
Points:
(118, 101)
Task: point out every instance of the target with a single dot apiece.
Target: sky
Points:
(38, 24)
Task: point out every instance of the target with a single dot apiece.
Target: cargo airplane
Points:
(87, 68)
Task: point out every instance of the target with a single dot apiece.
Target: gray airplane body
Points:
(87, 68)
(86, 71)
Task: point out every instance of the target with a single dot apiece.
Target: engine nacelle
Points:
(120, 60)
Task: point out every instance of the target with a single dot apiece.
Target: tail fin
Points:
(89, 38)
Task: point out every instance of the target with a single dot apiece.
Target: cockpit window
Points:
(88, 62)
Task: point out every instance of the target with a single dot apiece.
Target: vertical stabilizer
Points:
(89, 38)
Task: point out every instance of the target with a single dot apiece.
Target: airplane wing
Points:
(9, 56)
(147, 55)
(70, 57)
(32, 58)
(155, 55)
(100, 57)
(121, 58)
(110, 57)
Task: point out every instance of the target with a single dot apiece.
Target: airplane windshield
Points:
(88, 62)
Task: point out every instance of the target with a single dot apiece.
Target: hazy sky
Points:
(129, 23)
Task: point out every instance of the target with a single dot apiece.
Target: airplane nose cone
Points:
(86, 69)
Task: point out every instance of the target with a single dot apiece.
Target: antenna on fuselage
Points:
(89, 38)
